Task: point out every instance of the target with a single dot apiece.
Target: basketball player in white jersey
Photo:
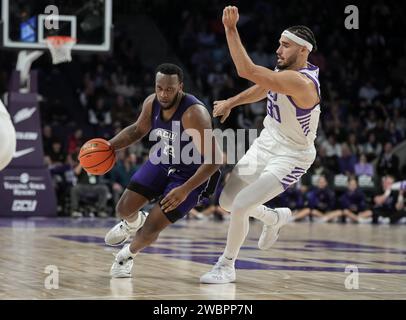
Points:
(283, 152)
(7, 137)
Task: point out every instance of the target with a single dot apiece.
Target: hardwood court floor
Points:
(308, 262)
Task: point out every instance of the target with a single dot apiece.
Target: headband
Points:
(298, 40)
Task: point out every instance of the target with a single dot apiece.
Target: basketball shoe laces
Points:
(220, 267)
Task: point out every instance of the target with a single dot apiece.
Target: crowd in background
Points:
(363, 104)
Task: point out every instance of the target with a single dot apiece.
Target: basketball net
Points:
(60, 47)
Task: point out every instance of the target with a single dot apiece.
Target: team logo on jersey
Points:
(165, 134)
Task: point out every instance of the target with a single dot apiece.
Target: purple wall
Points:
(25, 185)
(24, 112)
(26, 192)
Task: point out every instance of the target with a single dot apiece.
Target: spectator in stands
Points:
(388, 163)
(318, 168)
(400, 122)
(347, 160)
(372, 148)
(57, 155)
(60, 167)
(368, 92)
(352, 205)
(292, 198)
(363, 167)
(389, 205)
(123, 87)
(395, 135)
(120, 175)
(88, 186)
(75, 141)
(353, 144)
(47, 139)
(332, 150)
(321, 200)
(261, 57)
(99, 115)
(122, 112)
(87, 96)
(332, 147)
(380, 131)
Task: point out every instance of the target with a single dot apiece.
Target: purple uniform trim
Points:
(310, 67)
(315, 81)
(293, 177)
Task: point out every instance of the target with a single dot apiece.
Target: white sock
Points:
(266, 215)
(136, 223)
(227, 260)
(248, 203)
(126, 253)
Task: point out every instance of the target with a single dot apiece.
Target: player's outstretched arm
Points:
(252, 94)
(136, 131)
(197, 123)
(289, 82)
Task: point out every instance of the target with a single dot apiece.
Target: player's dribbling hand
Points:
(222, 108)
(173, 199)
(230, 17)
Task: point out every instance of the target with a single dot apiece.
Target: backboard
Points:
(27, 23)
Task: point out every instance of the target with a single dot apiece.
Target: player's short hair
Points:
(304, 33)
(170, 69)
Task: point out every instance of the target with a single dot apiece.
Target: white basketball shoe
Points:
(122, 265)
(270, 233)
(222, 272)
(122, 231)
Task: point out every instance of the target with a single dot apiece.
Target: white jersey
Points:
(7, 137)
(3, 109)
(289, 124)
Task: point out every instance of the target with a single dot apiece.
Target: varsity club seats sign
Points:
(26, 187)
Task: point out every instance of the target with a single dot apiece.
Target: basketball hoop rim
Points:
(60, 40)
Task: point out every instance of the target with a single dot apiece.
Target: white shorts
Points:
(269, 156)
(7, 140)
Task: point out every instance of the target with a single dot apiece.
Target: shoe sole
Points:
(121, 275)
(216, 282)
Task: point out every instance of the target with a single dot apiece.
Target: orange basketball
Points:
(97, 156)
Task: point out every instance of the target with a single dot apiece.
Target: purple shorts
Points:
(155, 181)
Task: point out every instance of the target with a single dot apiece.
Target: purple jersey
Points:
(172, 140)
(165, 169)
(353, 200)
(321, 199)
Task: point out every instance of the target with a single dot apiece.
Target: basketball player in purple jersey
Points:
(283, 152)
(169, 113)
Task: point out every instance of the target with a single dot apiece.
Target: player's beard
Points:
(289, 62)
(172, 104)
